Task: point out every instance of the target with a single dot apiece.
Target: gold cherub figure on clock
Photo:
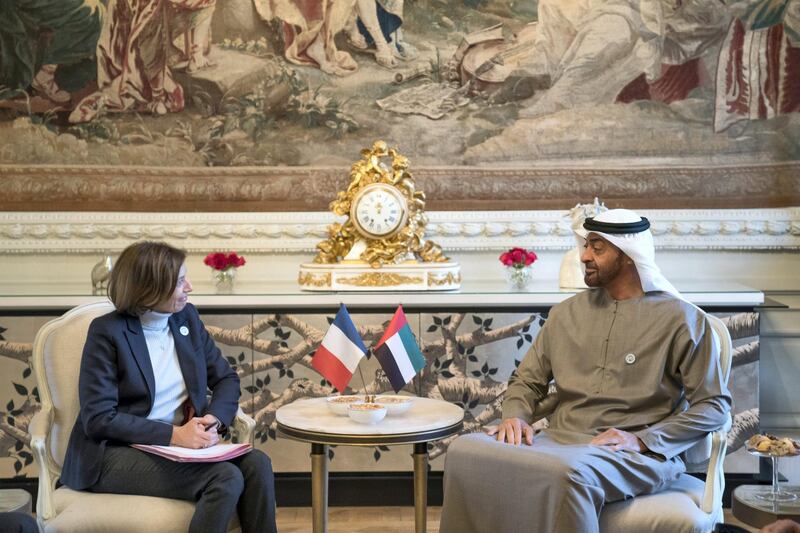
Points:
(381, 244)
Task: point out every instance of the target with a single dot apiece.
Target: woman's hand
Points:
(193, 434)
(209, 421)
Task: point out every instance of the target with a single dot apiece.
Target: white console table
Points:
(19, 298)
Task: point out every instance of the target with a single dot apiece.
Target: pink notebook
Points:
(214, 454)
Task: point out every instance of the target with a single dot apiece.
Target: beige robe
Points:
(645, 365)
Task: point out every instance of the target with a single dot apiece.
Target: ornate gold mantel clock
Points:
(381, 244)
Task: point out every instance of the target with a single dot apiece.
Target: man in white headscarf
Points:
(638, 382)
(630, 234)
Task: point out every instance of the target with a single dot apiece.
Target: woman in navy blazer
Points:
(123, 401)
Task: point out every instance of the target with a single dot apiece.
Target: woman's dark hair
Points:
(145, 275)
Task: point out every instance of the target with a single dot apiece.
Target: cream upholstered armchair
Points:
(57, 352)
(689, 504)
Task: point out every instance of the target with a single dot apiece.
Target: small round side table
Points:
(757, 512)
(309, 420)
(15, 500)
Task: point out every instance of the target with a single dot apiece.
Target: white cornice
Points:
(93, 232)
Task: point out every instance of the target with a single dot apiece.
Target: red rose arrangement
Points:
(518, 258)
(223, 260)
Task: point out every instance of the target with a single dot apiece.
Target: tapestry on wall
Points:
(193, 83)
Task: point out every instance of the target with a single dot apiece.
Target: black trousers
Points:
(18, 523)
(245, 485)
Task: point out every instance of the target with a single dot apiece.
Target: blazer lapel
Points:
(187, 359)
(138, 346)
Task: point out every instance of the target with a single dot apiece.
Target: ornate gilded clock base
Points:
(381, 246)
(359, 276)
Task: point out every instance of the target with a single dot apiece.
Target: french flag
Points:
(341, 349)
(398, 353)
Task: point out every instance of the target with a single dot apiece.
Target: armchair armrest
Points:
(40, 424)
(243, 425)
(39, 428)
(715, 475)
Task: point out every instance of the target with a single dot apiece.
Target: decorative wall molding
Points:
(455, 231)
(269, 189)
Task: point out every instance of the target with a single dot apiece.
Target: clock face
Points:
(379, 210)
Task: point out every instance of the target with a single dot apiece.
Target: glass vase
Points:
(223, 280)
(519, 277)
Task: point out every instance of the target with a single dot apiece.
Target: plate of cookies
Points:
(766, 445)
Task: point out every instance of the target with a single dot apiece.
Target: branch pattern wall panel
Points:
(470, 357)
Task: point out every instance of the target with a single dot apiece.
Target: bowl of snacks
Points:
(338, 404)
(366, 413)
(769, 445)
(395, 405)
(766, 445)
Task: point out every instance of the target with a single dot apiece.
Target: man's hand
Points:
(782, 526)
(193, 434)
(512, 430)
(617, 440)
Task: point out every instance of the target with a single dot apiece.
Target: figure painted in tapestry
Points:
(39, 37)
(537, 81)
(618, 51)
(310, 30)
(140, 42)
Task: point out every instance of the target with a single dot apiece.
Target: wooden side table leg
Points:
(420, 487)
(319, 487)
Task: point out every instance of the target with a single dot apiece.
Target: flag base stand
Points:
(360, 276)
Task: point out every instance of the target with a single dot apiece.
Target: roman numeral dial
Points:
(379, 210)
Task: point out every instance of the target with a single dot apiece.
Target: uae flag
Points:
(341, 349)
(398, 353)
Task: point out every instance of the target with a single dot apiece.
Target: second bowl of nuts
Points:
(366, 413)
